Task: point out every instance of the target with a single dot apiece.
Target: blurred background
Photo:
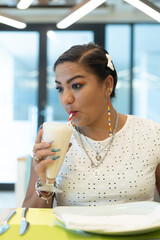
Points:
(28, 52)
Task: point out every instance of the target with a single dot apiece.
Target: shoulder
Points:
(143, 121)
(134, 122)
(147, 125)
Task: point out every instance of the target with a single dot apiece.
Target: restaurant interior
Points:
(33, 34)
(28, 51)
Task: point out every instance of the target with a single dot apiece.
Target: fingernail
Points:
(54, 158)
(48, 143)
(40, 127)
(55, 150)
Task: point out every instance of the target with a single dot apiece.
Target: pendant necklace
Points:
(98, 157)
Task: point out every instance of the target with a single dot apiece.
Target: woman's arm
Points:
(32, 199)
(158, 178)
(38, 170)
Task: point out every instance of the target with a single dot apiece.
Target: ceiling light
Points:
(51, 34)
(23, 4)
(12, 22)
(79, 11)
(146, 7)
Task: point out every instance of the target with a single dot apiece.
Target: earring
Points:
(110, 91)
(73, 125)
(109, 120)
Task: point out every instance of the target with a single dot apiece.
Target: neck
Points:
(100, 130)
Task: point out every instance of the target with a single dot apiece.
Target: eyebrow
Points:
(71, 79)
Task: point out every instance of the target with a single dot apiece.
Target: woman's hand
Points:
(44, 155)
(41, 151)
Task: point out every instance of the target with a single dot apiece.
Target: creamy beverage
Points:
(60, 134)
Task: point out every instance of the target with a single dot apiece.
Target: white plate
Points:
(118, 219)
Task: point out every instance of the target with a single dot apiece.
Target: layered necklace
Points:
(99, 159)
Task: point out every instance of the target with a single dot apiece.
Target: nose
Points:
(67, 97)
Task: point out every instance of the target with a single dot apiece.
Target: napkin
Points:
(122, 222)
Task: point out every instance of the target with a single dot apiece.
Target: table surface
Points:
(42, 228)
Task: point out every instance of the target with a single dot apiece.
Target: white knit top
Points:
(126, 175)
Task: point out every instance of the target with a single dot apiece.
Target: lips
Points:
(73, 113)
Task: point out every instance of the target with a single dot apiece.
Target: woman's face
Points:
(80, 93)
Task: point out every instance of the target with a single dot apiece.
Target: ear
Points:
(109, 82)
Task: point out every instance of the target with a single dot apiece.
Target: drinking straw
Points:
(70, 118)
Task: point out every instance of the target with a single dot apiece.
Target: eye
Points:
(59, 89)
(77, 85)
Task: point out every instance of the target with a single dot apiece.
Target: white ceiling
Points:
(51, 11)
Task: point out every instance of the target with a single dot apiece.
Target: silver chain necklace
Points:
(99, 159)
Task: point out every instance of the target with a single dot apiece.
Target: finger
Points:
(46, 162)
(40, 127)
(40, 168)
(43, 153)
(39, 136)
(40, 146)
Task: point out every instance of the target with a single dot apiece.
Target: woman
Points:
(114, 158)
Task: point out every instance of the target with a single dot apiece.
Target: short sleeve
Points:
(156, 140)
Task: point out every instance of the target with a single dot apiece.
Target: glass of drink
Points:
(60, 134)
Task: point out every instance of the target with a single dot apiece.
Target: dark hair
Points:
(92, 56)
